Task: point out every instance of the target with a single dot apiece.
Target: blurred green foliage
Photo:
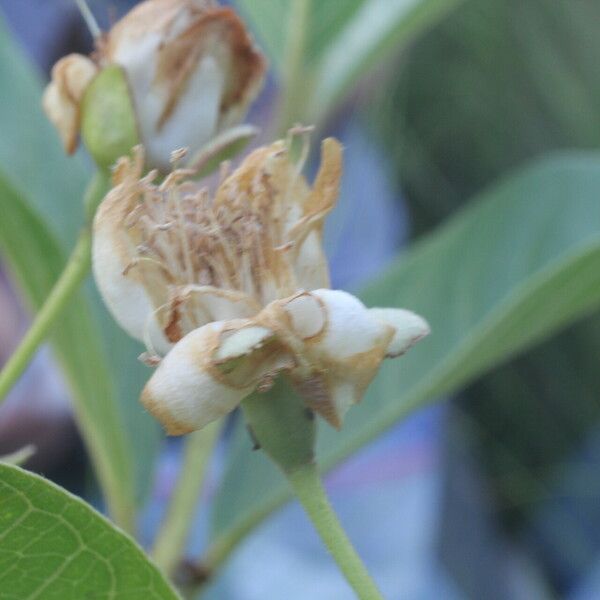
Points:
(495, 85)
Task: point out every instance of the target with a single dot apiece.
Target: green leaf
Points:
(53, 545)
(343, 41)
(42, 210)
(377, 30)
(520, 263)
(270, 20)
(30, 149)
(530, 416)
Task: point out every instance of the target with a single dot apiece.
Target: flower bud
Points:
(191, 70)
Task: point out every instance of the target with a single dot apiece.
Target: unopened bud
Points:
(186, 70)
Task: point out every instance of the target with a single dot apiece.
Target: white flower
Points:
(232, 288)
(169, 258)
(192, 71)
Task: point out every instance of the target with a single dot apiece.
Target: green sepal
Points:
(282, 425)
(108, 123)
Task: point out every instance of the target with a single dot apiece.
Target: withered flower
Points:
(191, 67)
(232, 288)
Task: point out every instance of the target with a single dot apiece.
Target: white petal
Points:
(250, 354)
(306, 229)
(183, 393)
(307, 315)
(343, 397)
(351, 329)
(63, 114)
(408, 326)
(125, 297)
(194, 120)
(310, 266)
(216, 304)
(210, 371)
(343, 358)
(76, 72)
(242, 342)
(71, 76)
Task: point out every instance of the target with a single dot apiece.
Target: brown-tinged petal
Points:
(192, 68)
(310, 262)
(127, 291)
(344, 354)
(324, 194)
(344, 345)
(409, 328)
(71, 76)
(183, 393)
(284, 251)
(210, 371)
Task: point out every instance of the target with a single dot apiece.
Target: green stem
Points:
(170, 542)
(19, 457)
(307, 485)
(89, 19)
(75, 271)
(69, 281)
(285, 430)
(294, 84)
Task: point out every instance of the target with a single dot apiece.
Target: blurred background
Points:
(494, 493)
